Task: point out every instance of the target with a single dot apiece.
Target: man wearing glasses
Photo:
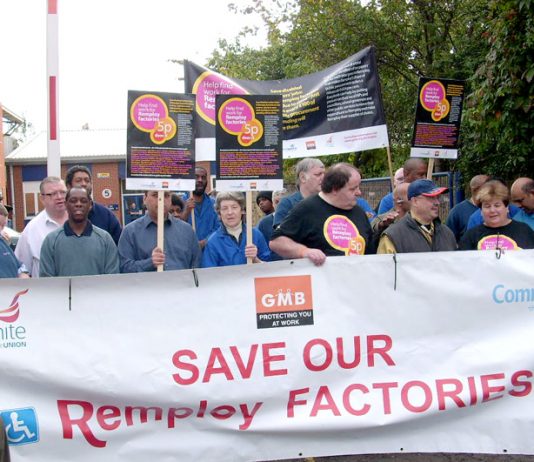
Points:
(420, 229)
(52, 195)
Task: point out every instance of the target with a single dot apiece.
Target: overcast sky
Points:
(106, 47)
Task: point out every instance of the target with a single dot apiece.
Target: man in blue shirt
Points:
(309, 173)
(138, 251)
(523, 196)
(461, 212)
(200, 210)
(414, 169)
(10, 266)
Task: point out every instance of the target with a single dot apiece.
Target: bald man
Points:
(414, 169)
(522, 192)
(400, 208)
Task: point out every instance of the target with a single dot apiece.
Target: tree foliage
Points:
(499, 120)
(413, 38)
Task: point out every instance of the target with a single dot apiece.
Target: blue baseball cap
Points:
(424, 188)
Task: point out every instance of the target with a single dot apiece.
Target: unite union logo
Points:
(12, 335)
(11, 314)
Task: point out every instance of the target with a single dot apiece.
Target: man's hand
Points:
(387, 220)
(316, 256)
(190, 203)
(158, 257)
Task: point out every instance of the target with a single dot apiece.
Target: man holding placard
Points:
(138, 250)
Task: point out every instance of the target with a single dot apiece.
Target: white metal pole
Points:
(52, 68)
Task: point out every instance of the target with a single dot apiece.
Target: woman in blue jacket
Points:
(227, 246)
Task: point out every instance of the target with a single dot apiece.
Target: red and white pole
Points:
(52, 69)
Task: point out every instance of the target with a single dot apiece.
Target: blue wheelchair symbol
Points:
(21, 426)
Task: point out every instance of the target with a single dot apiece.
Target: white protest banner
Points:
(431, 353)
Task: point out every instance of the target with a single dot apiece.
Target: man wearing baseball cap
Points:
(420, 230)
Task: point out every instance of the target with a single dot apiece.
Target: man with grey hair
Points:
(228, 245)
(309, 173)
(52, 195)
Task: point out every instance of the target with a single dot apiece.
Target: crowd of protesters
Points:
(74, 235)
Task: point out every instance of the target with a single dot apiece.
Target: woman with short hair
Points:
(498, 231)
(227, 246)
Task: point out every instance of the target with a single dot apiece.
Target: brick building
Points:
(103, 151)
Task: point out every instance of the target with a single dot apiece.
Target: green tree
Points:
(413, 38)
(499, 120)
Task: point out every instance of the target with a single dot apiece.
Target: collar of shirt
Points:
(86, 232)
(49, 219)
(149, 222)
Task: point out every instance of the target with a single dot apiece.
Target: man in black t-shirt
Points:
(326, 224)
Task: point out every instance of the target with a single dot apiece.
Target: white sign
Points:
(106, 193)
(272, 361)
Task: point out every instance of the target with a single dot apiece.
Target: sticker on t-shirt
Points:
(342, 234)
(497, 241)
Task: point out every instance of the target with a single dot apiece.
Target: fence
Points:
(374, 189)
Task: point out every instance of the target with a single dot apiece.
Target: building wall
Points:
(106, 189)
(3, 179)
(18, 200)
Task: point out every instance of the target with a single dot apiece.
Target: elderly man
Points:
(54, 215)
(80, 176)
(420, 230)
(138, 249)
(206, 219)
(460, 213)
(523, 196)
(401, 207)
(414, 169)
(326, 224)
(78, 248)
(309, 173)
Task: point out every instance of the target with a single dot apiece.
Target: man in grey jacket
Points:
(419, 230)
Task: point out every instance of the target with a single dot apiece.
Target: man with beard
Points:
(78, 248)
(200, 210)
